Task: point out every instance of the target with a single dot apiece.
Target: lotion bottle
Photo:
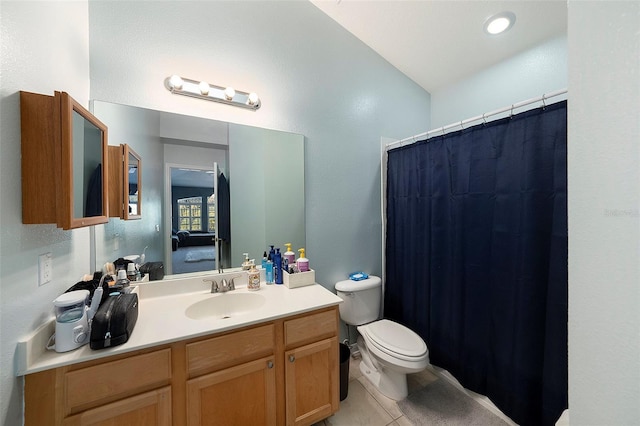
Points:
(289, 258)
(302, 263)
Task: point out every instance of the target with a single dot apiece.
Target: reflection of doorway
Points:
(192, 210)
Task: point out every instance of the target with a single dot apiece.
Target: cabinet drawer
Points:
(235, 348)
(310, 328)
(116, 379)
(150, 408)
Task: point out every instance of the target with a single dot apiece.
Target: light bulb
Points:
(499, 23)
(229, 93)
(204, 87)
(253, 98)
(176, 82)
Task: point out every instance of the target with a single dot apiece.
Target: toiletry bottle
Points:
(121, 285)
(289, 258)
(246, 265)
(269, 272)
(264, 261)
(131, 271)
(254, 278)
(277, 266)
(302, 262)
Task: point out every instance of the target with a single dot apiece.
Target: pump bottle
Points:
(302, 263)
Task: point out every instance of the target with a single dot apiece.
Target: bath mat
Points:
(441, 403)
(198, 255)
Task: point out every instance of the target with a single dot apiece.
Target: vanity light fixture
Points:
(499, 23)
(203, 90)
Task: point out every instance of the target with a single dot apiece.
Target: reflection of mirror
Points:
(64, 161)
(132, 183)
(124, 182)
(264, 168)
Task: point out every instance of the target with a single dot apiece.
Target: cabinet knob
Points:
(269, 364)
(292, 358)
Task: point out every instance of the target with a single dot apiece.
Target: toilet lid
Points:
(395, 338)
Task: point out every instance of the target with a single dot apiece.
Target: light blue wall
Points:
(532, 73)
(314, 78)
(44, 47)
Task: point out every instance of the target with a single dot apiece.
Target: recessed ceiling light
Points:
(499, 23)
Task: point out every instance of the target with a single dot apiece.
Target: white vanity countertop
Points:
(162, 319)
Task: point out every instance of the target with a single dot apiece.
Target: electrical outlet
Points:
(45, 268)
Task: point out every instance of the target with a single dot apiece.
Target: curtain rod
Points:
(482, 117)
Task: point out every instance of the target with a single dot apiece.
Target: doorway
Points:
(191, 213)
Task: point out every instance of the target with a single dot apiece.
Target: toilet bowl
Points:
(389, 350)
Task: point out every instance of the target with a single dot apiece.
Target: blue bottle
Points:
(269, 272)
(277, 266)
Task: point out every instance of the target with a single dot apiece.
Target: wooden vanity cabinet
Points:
(119, 390)
(64, 162)
(239, 387)
(125, 182)
(312, 379)
(282, 372)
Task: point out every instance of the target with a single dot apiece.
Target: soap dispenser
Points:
(302, 263)
(246, 265)
(254, 277)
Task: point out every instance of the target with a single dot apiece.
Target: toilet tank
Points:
(361, 300)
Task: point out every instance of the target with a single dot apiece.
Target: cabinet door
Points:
(150, 408)
(240, 395)
(312, 387)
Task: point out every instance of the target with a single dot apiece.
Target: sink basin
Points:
(225, 305)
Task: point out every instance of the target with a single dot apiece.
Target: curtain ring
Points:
(484, 119)
(511, 116)
(461, 126)
(544, 104)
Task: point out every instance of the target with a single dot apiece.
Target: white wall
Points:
(604, 188)
(532, 73)
(45, 47)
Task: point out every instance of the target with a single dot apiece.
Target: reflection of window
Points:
(190, 214)
(211, 213)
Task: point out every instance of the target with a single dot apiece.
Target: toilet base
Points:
(390, 383)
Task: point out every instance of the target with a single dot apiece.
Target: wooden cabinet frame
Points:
(119, 180)
(46, 125)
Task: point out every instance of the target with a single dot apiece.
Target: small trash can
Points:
(345, 354)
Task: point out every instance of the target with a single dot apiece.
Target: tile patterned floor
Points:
(366, 406)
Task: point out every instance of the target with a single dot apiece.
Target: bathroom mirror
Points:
(264, 170)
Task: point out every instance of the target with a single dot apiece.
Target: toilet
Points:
(389, 350)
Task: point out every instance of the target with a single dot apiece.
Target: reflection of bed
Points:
(199, 239)
(191, 239)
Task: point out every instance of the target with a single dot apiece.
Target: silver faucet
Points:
(221, 287)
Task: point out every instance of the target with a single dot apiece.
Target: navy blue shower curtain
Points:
(476, 257)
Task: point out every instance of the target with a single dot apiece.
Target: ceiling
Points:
(192, 178)
(437, 43)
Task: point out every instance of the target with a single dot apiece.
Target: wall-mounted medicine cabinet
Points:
(125, 183)
(64, 162)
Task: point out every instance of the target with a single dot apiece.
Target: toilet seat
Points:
(395, 340)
